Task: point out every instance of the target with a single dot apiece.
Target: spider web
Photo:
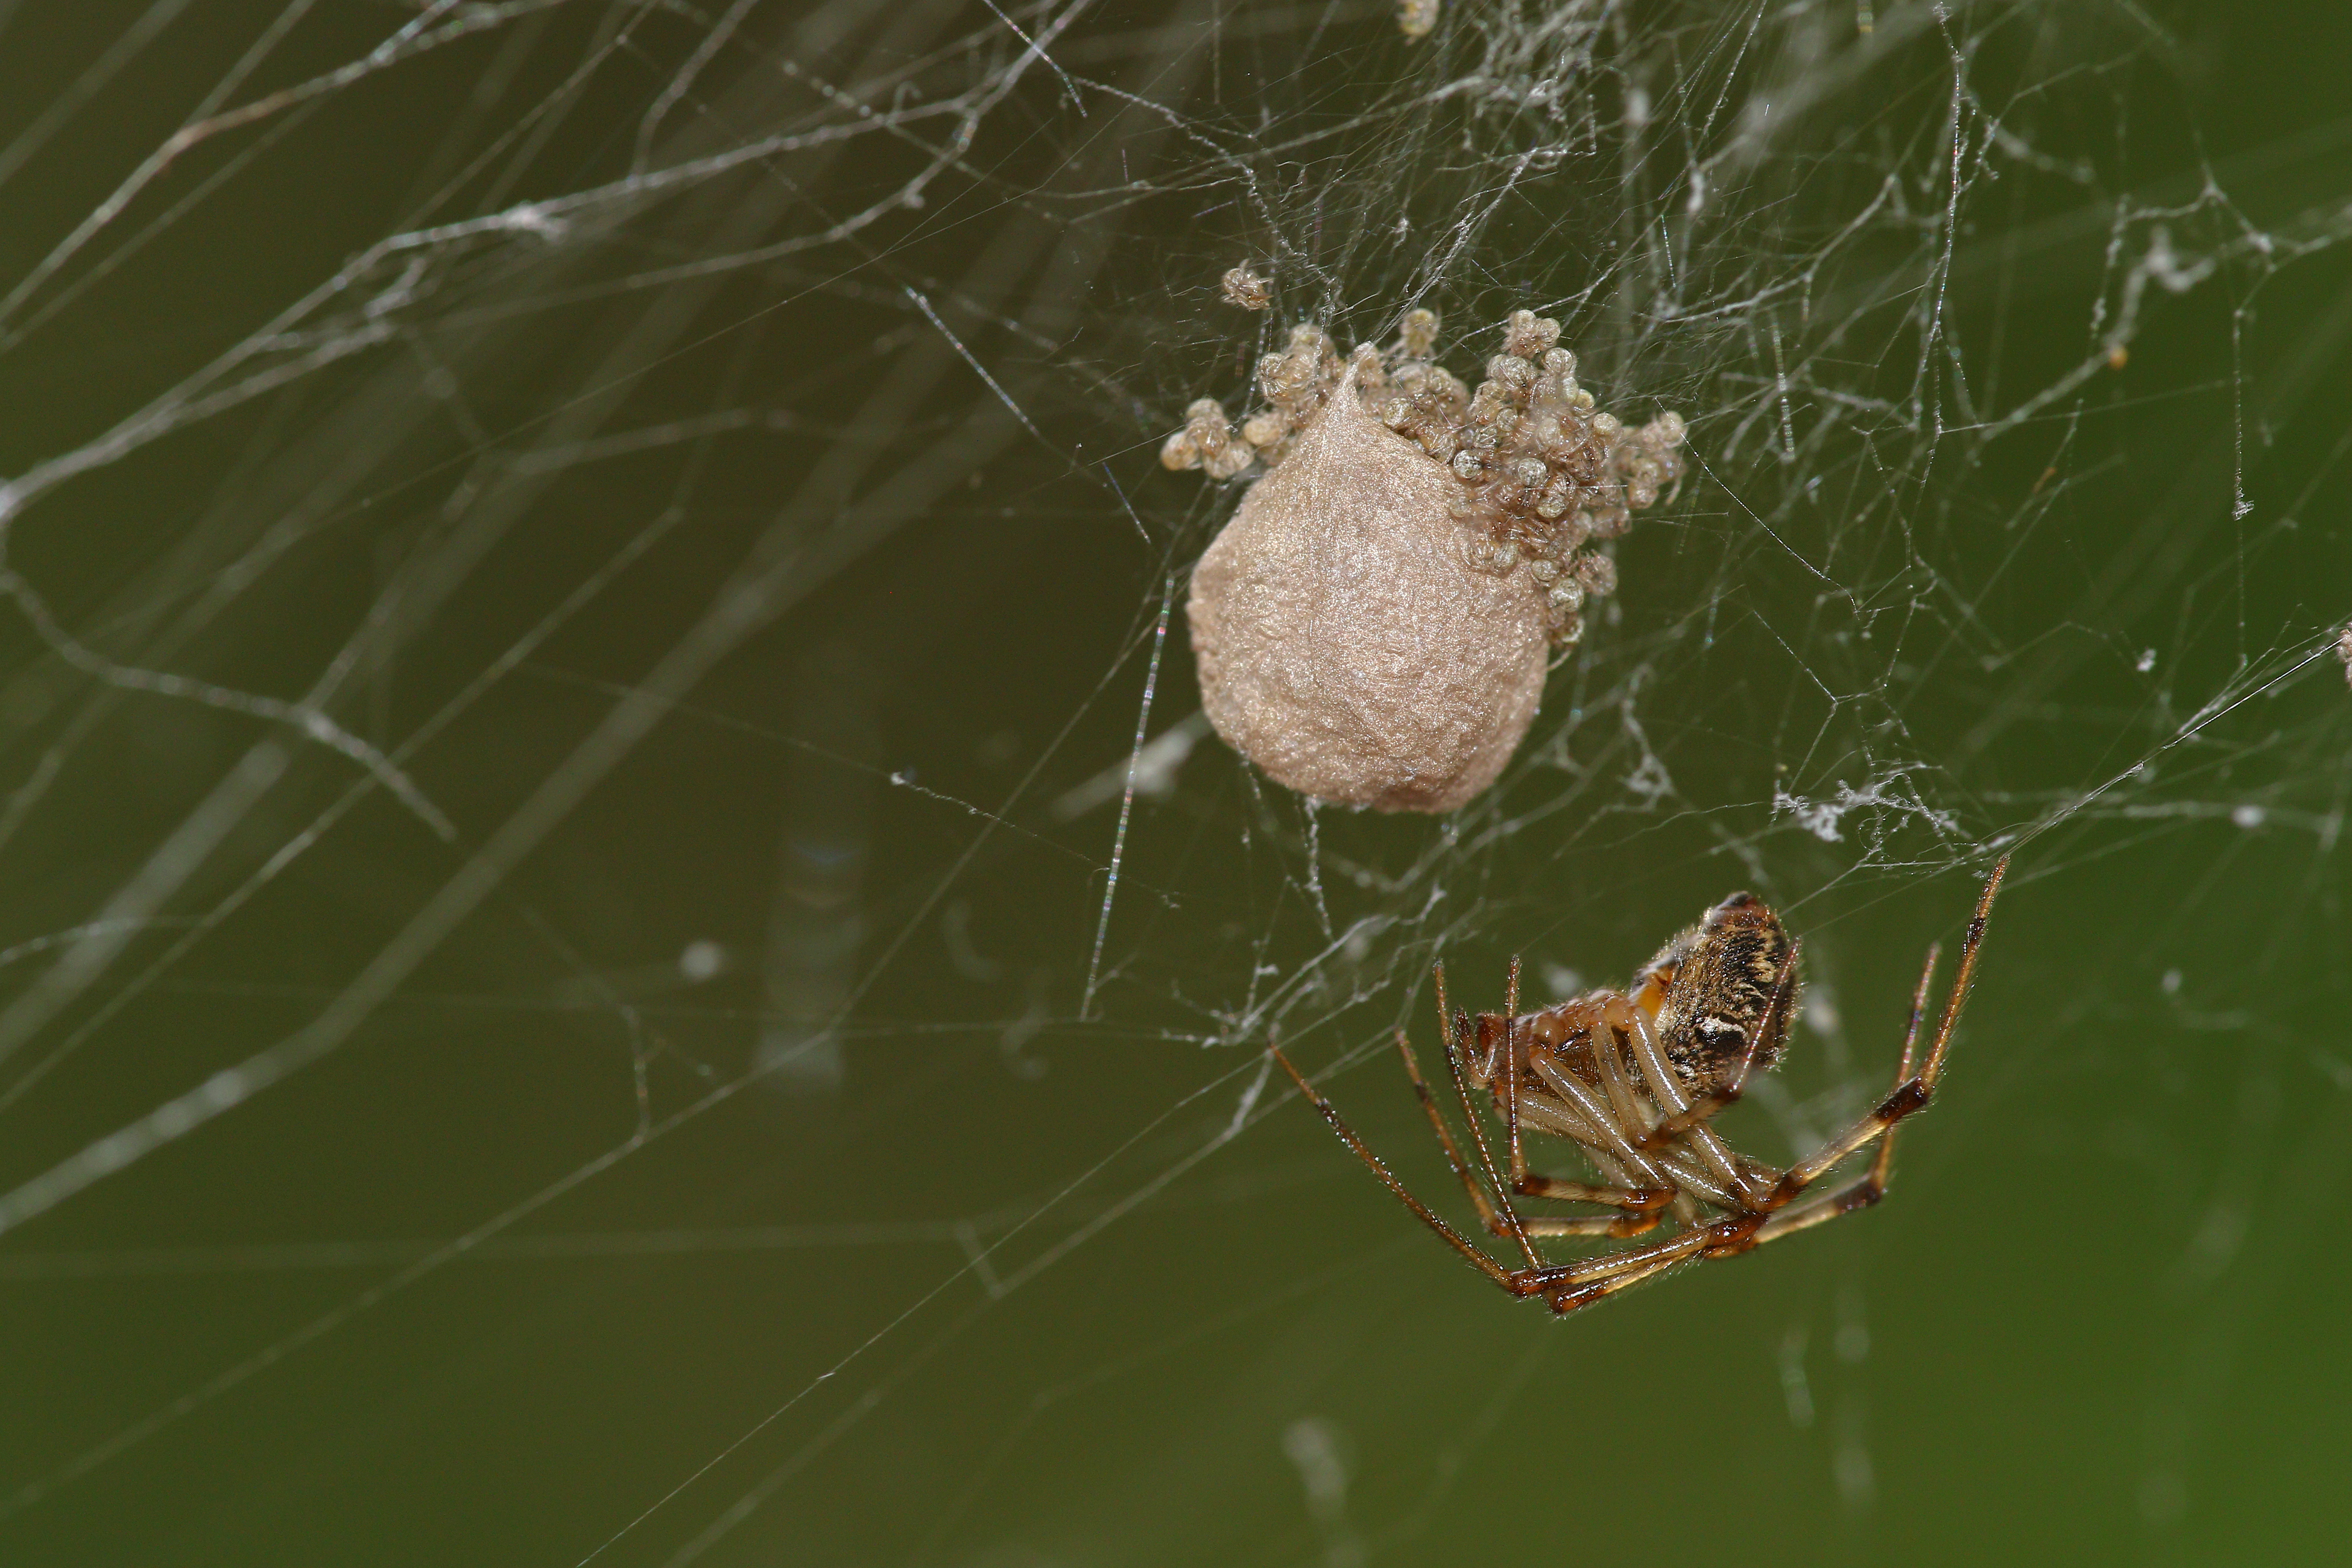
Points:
(629, 946)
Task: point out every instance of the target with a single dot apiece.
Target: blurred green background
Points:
(704, 457)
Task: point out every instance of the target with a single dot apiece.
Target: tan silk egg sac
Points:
(1345, 644)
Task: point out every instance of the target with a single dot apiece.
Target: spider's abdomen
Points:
(1720, 979)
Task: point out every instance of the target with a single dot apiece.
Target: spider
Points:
(1634, 1079)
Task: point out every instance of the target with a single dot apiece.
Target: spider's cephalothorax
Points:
(1635, 1078)
(1714, 988)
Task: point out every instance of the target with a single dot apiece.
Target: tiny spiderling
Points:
(1244, 287)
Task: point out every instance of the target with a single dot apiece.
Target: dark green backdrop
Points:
(744, 1140)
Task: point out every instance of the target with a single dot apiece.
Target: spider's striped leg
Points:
(1595, 1125)
(1965, 978)
(1643, 1201)
(1696, 1139)
(1502, 1060)
(1449, 1037)
(1634, 1224)
(1488, 1214)
(1619, 1187)
(1863, 1193)
(1519, 1177)
(1563, 1191)
(1579, 1285)
(1514, 1281)
(1912, 1094)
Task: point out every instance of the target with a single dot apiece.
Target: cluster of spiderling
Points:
(1294, 385)
(1544, 472)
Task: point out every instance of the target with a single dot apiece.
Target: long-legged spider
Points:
(1634, 1079)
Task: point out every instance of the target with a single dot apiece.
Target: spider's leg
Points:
(1563, 1120)
(1560, 1191)
(1822, 1208)
(1964, 979)
(1579, 1285)
(1639, 1203)
(1510, 1055)
(1448, 1041)
(1658, 1080)
(1635, 1113)
(1639, 1221)
(1487, 1213)
(1568, 1299)
(1682, 1188)
(1871, 1188)
(1880, 1166)
(1525, 1185)
(1511, 1102)
(1639, 1207)
(1911, 1095)
(1630, 1225)
(1597, 1127)
(1506, 1278)
(1656, 1076)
